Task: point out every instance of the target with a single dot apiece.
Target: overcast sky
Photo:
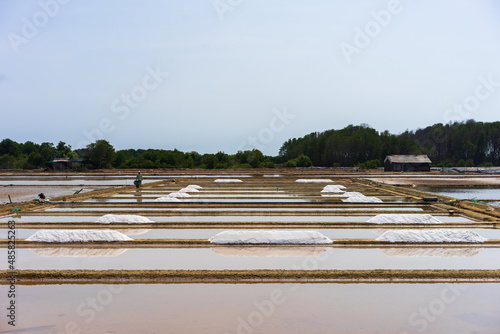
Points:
(223, 75)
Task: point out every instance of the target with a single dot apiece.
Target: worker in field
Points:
(41, 197)
(138, 180)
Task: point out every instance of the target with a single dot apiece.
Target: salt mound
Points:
(356, 197)
(129, 219)
(389, 218)
(227, 180)
(432, 252)
(333, 188)
(270, 251)
(77, 236)
(167, 199)
(431, 236)
(78, 252)
(190, 189)
(270, 237)
(313, 180)
(179, 194)
(194, 186)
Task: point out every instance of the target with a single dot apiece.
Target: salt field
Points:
(236, 244)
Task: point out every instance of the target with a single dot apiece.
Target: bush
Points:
(371, 164)
(269, 164)
(301, 161)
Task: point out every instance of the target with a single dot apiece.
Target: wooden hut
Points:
(407, 163)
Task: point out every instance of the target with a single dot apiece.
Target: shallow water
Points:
(258, 308)
(138, 233)
(468, 193)
(58, 209)
(185, 219)
(207, 258)
(209, 200)
(70, 182)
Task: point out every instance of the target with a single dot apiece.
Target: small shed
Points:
(407, 163)
(60, 164)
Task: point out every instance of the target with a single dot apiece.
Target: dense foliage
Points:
(464, 144)
(456, 144)
(102, 154)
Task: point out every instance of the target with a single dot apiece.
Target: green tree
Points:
(8, 146)
(7, 161)
(100, 154)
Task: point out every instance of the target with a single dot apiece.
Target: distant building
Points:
(60, 164)
(407, 163)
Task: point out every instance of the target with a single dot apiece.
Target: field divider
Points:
(29, 277)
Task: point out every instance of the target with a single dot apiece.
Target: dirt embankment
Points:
(246, 276)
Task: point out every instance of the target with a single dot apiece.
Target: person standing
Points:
(138, 179)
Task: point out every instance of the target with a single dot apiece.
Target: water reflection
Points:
(432, 252)
(78, 252)
(270, 251)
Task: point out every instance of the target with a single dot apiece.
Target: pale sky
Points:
(223, 75)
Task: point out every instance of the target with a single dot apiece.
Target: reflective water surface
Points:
(257, 308)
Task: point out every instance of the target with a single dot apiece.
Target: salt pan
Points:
(440, 235)
(357, 197)
(78, 252)
(390, 218)
(270, 251)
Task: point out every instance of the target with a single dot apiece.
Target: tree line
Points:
(102, 154)
(460, 144)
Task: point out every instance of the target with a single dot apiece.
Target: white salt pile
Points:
(356, 197)
(227, 180)
(129, 219)
(174, 197)
(313, 180)
(167, 199)
(178, 194)
(270, 237)
(431, 236)
(333, 188)
(77, 236)
(389, 218)
(190, 189)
